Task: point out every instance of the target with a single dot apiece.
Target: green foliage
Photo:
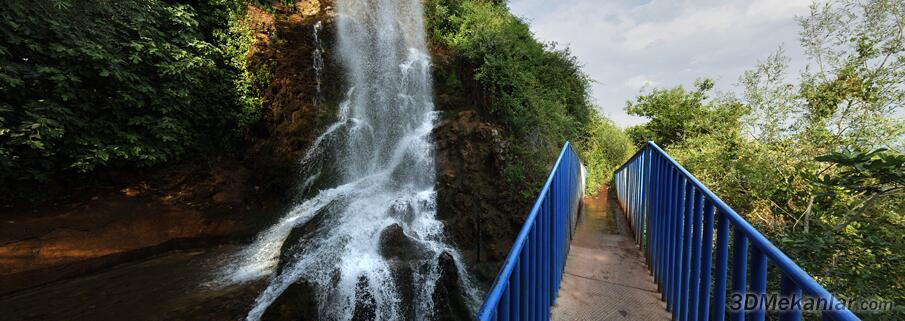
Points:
(676, 114)
(89, 84)
(818, 165)
(876, 171)
(537, 90)
(235, 41)
(603, 147)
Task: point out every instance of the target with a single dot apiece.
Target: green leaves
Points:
(677, 114)
(537, 91)
(876, 171)
(89, 84)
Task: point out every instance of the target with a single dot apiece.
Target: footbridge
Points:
(671, 250)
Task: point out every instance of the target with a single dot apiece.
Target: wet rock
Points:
(403, 211)
(402, 254)
(365, 306)
(298, 302)
(403, 277)
(394, 244)
(449, 296)
(292, 245)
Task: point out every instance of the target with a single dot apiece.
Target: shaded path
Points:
(606, 277)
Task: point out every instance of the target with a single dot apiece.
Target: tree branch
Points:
(864, 207)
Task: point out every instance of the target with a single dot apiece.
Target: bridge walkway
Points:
(606, 277)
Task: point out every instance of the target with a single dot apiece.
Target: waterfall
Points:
(317, 63)
(372, 169)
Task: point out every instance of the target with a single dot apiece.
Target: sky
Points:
(629, 47)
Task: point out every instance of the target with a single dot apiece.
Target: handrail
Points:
(672, 215)
(528, 282)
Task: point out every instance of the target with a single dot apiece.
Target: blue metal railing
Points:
(529, 279)
(672, 215)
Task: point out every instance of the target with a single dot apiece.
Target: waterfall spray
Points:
(380, 162)
(317, 63)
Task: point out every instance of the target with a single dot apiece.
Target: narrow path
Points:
(606, 277)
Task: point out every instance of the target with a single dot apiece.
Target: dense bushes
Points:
(603, 147)
(88, 84)
(537, 91)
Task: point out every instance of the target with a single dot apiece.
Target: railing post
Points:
(739, 269)
(673, 244)
(695, 256)
(673, 216)
(706, 263)
(722, 259)
(647, 204)
(525, 277)
(548, 268)
(515, 298)
(661, 226)
(687, 228)
(667, 237)
(679, 279)
(758, 282)
(792, 292)
(676, 230)
(655, 195)
(503, 308)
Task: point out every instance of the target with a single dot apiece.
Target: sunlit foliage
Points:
(815, 163)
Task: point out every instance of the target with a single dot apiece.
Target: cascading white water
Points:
(371, 169)
(317, 63)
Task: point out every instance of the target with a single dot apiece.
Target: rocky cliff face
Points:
(294, 114)
(481, 214)
(222, 201)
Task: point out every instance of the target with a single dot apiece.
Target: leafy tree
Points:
(536, 90)
(818, 166)
(676, 114)
(876, 174)
(770, 98)
(852, 92)
(603, 147)
(93, 84)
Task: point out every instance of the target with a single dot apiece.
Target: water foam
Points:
(381, 160)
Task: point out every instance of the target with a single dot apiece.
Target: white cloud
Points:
(639, 82)
(625, 44)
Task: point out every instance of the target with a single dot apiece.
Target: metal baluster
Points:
(722, 260)
(706, 263)
(515, 299)
(739, 269)
(695, 257)
(791, 292)
(503, 307)
(691, 194)
(667, 237)
(677, 241)
(758, 282)
(534, 303)
(679, 282)
(524, 278)
(661, 239)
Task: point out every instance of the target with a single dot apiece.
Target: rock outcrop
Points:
(449, 295)
(481, 212)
